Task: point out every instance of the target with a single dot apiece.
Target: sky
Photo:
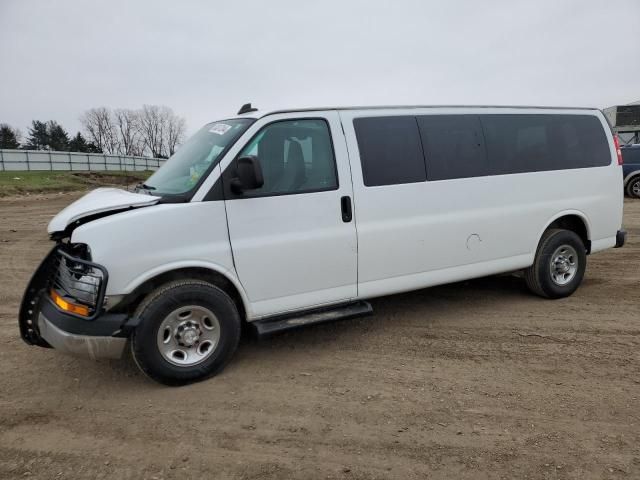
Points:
(205, 59)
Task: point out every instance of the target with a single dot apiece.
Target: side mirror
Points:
(248, 174)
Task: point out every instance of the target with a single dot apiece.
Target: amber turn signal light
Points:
(68, 306)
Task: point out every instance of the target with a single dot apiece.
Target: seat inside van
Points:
(295, 159)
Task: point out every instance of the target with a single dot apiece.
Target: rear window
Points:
(390, 150)
(631, 155)
(534, 143)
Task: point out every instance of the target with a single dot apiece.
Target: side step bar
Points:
(311, 317)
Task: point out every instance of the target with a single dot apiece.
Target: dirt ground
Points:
(476, 380)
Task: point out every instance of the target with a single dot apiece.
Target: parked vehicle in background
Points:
(631, 169)
(292, 217)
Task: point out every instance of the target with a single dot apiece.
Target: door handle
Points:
(347, 213)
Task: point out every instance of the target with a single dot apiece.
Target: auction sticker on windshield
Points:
(220, 128)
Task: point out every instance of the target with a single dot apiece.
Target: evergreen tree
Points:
(38, 136)
(93, 148)
(57, 137)
(8, 137)
(78, 144)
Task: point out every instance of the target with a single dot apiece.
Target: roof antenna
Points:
(246, 108)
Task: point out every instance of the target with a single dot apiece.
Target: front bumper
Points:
(104, 337)
(91, 346)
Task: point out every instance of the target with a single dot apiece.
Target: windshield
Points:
(194, 159)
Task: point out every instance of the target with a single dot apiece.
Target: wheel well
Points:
(576, 225)
(631, 176)
(131, 301)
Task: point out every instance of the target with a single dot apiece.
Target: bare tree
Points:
(175, 132)
(101, 130)
(127, 126)
(161, 129)
(153, 130)
(151, 127)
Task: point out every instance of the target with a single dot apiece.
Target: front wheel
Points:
(559, 265)
(188, 331)
(633, 187)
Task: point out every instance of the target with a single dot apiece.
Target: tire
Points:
(633, 187)
(188, 331)
(549, 281)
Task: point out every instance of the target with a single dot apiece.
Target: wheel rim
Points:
(188, 335)
(564, 265)
(635, 188)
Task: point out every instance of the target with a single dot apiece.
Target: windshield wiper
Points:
(144, 186)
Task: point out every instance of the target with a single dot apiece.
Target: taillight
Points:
(616, 143)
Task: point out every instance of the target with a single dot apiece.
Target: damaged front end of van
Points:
(63, 306)
(113, 245)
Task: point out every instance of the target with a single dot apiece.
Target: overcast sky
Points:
(205, 58)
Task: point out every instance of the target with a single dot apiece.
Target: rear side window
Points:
(535, 143)
(454, 146)
(390, 150)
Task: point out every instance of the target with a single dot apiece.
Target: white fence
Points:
(21, 160)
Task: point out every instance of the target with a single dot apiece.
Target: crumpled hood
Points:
(98, 201)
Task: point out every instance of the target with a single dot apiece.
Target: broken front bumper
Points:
(104, 335)
(100, 338)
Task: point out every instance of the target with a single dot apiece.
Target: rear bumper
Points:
(621, 238)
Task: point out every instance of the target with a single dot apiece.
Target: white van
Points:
(287, 218)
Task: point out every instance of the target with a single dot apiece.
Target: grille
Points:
(79, 280)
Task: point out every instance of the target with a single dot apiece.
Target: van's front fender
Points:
(185, 265)
(137, 245)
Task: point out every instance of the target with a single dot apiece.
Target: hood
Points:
(98, 201)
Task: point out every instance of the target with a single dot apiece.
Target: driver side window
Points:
(296, 156)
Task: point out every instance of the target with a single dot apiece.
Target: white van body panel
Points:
(295, 256)
(421, 234)
(140, 244)
(97, 201)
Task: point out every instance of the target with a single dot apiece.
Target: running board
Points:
(312, 317)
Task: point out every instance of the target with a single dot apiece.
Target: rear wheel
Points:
(633, 187)
(188, 331)
(559, 264)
